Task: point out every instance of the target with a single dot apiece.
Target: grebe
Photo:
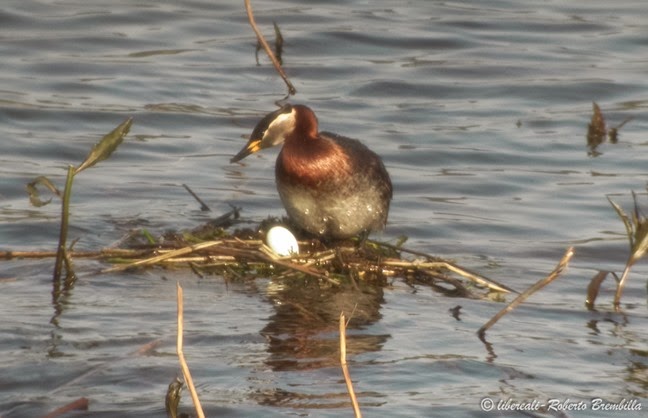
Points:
(331, 186)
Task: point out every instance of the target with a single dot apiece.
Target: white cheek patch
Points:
(282, 125)
(283, 119)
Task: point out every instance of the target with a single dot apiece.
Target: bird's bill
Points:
(250, 148)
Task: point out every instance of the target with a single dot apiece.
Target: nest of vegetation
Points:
(242, 254)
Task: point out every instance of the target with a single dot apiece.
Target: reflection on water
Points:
(303, 331)
(303, 336)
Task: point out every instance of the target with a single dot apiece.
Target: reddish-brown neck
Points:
(308, 158)
(305, 124)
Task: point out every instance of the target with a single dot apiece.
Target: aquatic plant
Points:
(636, 227)
(637, 234)
(597, 131)
(99, 152)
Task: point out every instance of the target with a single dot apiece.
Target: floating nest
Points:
(219, 247)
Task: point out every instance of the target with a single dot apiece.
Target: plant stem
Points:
(266, 47)
(180, 351)
(621, 284)
(65, 215)
(345, 367)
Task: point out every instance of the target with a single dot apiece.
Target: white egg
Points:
(282, 241)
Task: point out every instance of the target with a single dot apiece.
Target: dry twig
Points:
(523, 296)
(345, 367)
(183, 363)
(474, 277)
(266, 47)
(159, 258)
(203, 205)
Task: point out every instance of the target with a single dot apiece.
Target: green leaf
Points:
(151, 240)
(104, 148)
(34, 194)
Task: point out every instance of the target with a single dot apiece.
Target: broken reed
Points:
(562, 265)
(248, 8)
(180, 352)
(345, 367)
